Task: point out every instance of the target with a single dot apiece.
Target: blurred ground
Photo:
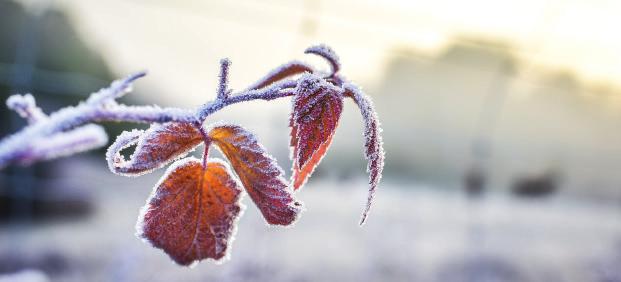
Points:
(415, 233)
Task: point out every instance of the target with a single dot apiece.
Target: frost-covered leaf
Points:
(157, 146)
(258, 172)
(374, 150)
(192, 212)
(282, 72)
(317, 108)
(327, 53)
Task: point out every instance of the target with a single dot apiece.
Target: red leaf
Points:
(373, 142)
(258, 172)
(316, 111)
(159, 145)
(192, 212)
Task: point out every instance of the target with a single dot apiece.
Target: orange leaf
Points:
(192, 212)
(258, 172)
(159, 145)
(317, 109)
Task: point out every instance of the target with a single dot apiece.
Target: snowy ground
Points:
(413, 234)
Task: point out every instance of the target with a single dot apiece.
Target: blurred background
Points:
(501, 121)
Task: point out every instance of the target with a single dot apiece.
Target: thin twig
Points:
(223, 86)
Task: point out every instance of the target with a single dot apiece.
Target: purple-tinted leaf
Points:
(282, 72)
(373, 143)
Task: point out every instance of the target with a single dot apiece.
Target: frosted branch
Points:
(53, 136)
(81, 139)
(26, 145)
(102, 106)
(78, 140)
(276, 90)
(143, 114)
(116, 90)
(26, 107)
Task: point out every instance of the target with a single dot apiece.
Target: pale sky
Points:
(180, 42)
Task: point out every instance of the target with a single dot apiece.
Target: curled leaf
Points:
(282, 72)
(258, 172)
(317, 109)
(192, 212)
(373, 143)
(156, 147)
(328, 54)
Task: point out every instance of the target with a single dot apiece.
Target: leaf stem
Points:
(206, 141)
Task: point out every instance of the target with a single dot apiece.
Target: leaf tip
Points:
(327, 53)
